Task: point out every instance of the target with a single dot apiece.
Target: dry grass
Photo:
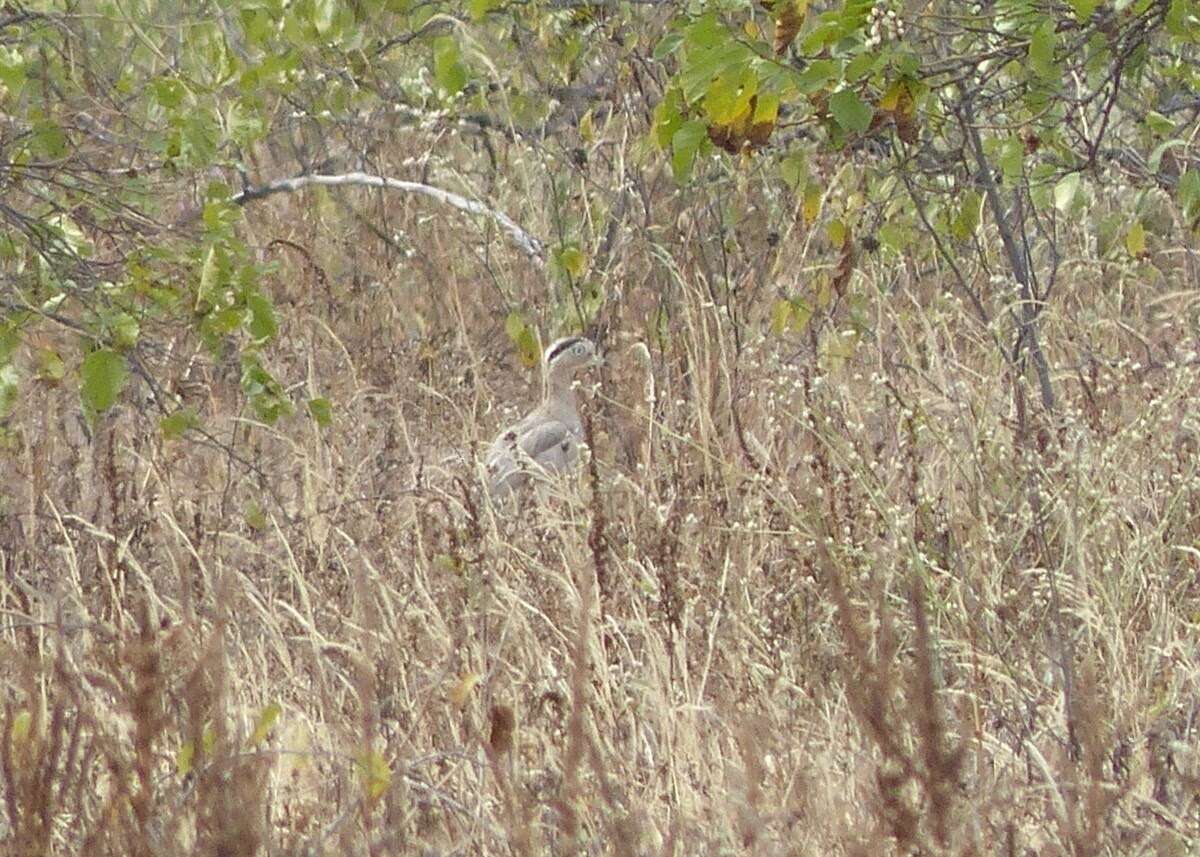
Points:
(892, 608)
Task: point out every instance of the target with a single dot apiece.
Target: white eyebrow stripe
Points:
(562, 346)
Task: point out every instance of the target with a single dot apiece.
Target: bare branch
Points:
(531, 246)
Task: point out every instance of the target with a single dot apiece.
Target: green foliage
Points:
(523, 336)
(175, 425)
(686, 143)
(448, 68)
(778, 94)
(321, 410)
(850, 111)
(375, 775)
(102, 377)
(266, 395)
(266, 722)
(1189, 195)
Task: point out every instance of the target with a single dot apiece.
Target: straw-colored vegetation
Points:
(833, 579)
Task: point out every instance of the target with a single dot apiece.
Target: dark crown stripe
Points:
(561, 347)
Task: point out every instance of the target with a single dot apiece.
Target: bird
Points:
(548, 438)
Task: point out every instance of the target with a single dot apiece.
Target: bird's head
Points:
(568, 355)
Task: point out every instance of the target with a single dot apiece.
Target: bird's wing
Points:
(548, 443)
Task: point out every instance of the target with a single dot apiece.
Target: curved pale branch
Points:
(531, 246)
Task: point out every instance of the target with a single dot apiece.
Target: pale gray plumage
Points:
(548, 438)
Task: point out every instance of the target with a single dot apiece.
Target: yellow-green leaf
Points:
(461, 691)
(184, 758)
(50, 366)
(174, 425)
(685, 144)
(1066, 191)
(812, 202)
(266, 720)
(208, 278)
(1041, 51)
(255, 517)
(1135, 240)
(374, 773)
(21, 726)
(572, 260)
(262, 316)
(781, 313)
(836, 230)
(793, 170)
(448, 69)
(522, 336)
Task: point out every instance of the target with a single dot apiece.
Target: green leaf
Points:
(10, 340)
(793, 169)
(813, 194)
(667, 45)
(1155, 160)
(448, 69)
(1189, 193)
(9, 388)
(781, 314)
(22, 725)
(479, 9)
(729, 96)
(836, 231)
(1135, 240)
(667, 118)
(51, 367)
(322, 15)
(1083, 9)
(522, 336)
(572, 261)
(1159, 124)
(184, 758)
(967, 221)
(860, 66)
(1066, 192)
(1177, 19)
(818, 73)
(174, 425)
(266, 395)
(262, 316)
(266, 721)
(168, 92)
(103, 375)
(1012, 161)
(895, 237)
(257, 26)
(705, 32)
(12, 71)
(850, 111)
(374, 773)
(1041, 52)
(48, 140)
(321, 410)
(199, 135)
(684, 146)
(124, 329)
(209, 272)
(255, 517)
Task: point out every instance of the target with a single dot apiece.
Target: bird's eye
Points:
(580, 349)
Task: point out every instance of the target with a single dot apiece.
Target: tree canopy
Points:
(134, 134)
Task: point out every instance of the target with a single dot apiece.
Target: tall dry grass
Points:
(793, 603)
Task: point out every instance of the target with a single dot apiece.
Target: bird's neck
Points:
(560, 386)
